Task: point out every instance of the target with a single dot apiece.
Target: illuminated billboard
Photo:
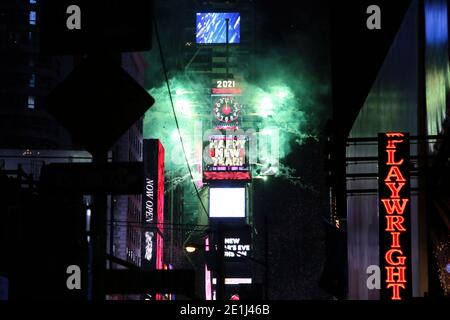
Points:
(211, 27)
(394, 215)
(227, 202)
(153, 205)
(226, 158)
(232, 287)
(237, 244)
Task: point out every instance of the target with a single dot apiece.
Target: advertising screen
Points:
(227, 202)
(237, 244)
(227, 158)
(211, 27)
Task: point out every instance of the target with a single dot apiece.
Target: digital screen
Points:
(234, 281)
(226, 158)
(227, 153)
(227, 202)
(237, 244)
(211, 27)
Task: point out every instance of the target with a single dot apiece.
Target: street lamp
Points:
(190, 249)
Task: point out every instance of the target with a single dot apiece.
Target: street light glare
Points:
(191, 249)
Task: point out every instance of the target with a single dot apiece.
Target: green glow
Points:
(267, 132)
(282, 104)
(282, 92)
(180, 92)
(175, 136)
(159, 123)
(266, 106)
(279, 112)
(183, 107)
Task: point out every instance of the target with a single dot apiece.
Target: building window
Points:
(31, 102)
(32, 18)
(32, 81)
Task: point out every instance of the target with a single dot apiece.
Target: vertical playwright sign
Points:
(394, 215)
(153, 205)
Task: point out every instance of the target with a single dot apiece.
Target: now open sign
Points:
(86, 26)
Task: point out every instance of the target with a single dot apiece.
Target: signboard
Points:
(85, 26)
(227, 202)
(232, 287)
(237, 245)
(225, 91)
(394, 215)
(212, 27)
(227, 158)
(153, 205)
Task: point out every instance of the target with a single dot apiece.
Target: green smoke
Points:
(159, 123)
(281, 104)
(285, 93)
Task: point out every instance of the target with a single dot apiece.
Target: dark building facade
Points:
(125, 228)
(26, 78)
(31, 138)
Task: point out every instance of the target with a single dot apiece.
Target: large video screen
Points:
(227, 202)
(211, 27)
(227, 153)
(226, 158)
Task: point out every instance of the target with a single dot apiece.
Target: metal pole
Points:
(221, 263)
(99, 239)
(111, 229)
(266, 258)
(171, 218)
(227, 22)
(100, 213)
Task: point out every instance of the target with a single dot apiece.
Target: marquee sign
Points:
(227, 158)
(394, 215)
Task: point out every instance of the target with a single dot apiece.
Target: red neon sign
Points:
(219, 91)
(160, 209)
(394, 201)
(238, 175)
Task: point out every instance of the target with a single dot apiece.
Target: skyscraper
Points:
(26, 78)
